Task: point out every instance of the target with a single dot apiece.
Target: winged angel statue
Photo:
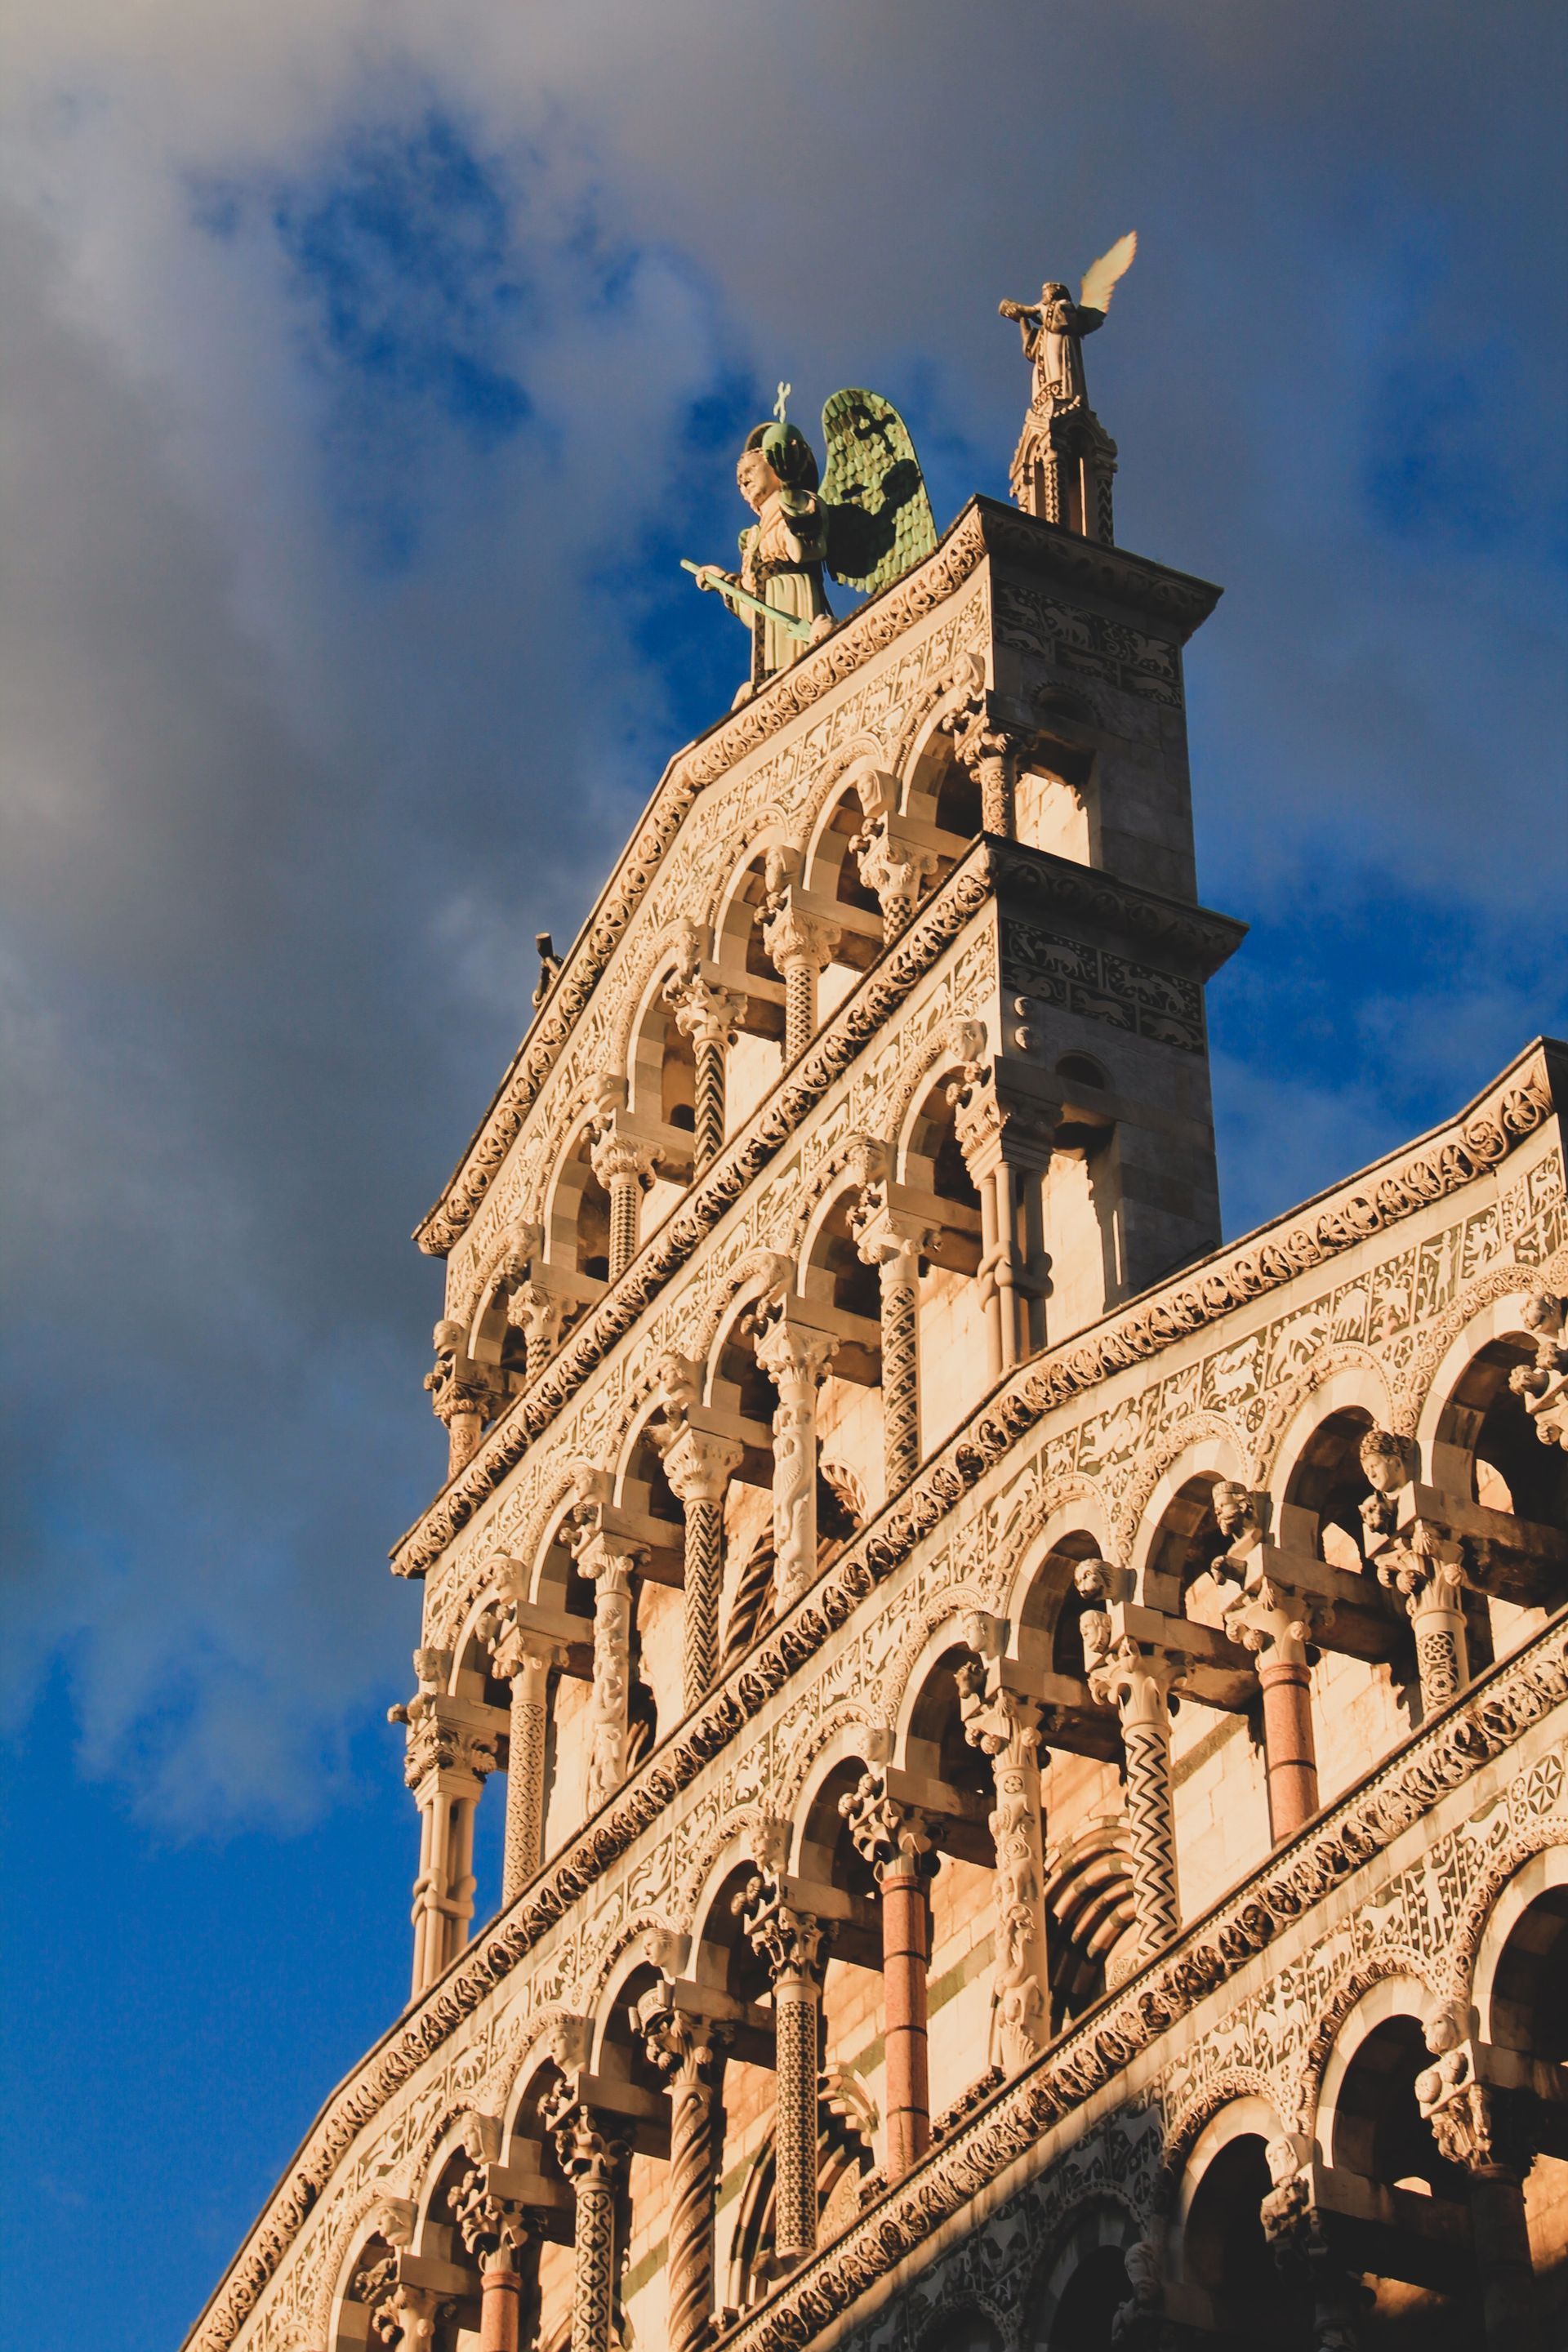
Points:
(1060, 424)
(865, 523)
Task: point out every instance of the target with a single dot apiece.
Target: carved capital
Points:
(789, 1939)
(493, 2229)
(436, 1742)
(707, 1013)
(700, 1465)
(1137, 1678)
(795, 1356)
(1543, 1385)
(615, 1155)
(895, 1838)
(586, 2146)
(1487, 2131)
(886, 1236)
(791, 937)
(686, 2049)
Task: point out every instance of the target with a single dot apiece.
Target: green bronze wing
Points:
(879, 516)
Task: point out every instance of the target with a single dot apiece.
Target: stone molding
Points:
(984, 529)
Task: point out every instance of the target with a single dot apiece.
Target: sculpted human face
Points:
(754, 478)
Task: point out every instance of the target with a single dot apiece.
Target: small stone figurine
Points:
(1063, 466)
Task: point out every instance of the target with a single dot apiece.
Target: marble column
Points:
(494, 2232)
(796, 1359)
(625, 1168)
(1426, 1570)
(710, 1017)
(899, 1839)
(790, 1941)
(689, 2052)
(524, 1660)
(591, 2158)
(1137, 1678)
(464, 1395)
(1491, 2134)
(1278, 1623)
(801, 946)
(448, 1758)
(699, 1466)
(895, 1245)
(607, 1562)
(1006, 1727)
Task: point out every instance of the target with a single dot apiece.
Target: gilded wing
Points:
(1100, 278)
(879, 516)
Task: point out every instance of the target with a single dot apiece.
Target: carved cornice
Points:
(1032, 882)
(1497, 1710)
(982, 528)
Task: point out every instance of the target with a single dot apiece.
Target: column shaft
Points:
(800, 1005)
(593, 2246)
(693, 2184)
(906, 1959)
(1151, 1828)
(1442, 1651)
(1291, 1759)
(625, 1200)
(704, 1579)
(1510, 2301)
(795, 1360)
(900, 1370)
(707, 1135)
(797, 2001)
(525, 1777)
(500, 2307)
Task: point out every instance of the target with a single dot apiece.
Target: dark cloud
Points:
(364, 375)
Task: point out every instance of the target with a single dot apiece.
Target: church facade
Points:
(1033, 1743)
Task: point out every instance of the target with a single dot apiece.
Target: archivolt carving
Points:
(893, 1690)
(1447, 1329)
(1185, 2126)
(1024, 1529)
(1200, 1429)
(1286, 1400)
(1299, 2107)
(791, 1777)
(1470, 1926)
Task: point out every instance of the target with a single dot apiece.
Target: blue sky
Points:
(367, 369)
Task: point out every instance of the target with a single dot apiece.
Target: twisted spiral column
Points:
(890, 1241)
(710, 1016)
(699, 1467)
(688, 2050)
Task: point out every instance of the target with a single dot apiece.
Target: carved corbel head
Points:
(481, 2138)
(769, 1842)
(780, 871)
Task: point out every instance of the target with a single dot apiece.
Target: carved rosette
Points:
(1426, 1569)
